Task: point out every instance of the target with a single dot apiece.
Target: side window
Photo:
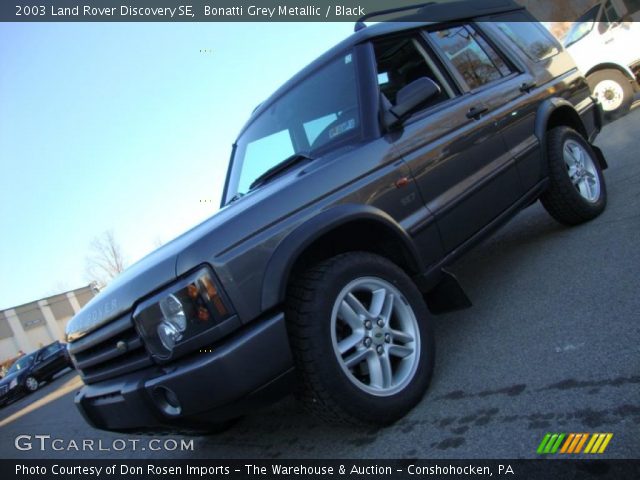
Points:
(530, 37)
(609, 16)
(611, 13)
(47, 351)
(400, 61)
(471, 55)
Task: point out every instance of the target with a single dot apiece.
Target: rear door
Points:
(540, 67)
(47, 361)
(456, 153)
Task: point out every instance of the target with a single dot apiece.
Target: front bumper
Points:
(8, 396)
(252, 367)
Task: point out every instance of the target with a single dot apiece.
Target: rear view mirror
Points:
(408, 99)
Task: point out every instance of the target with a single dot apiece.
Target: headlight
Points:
(13, 384)
(189, 314)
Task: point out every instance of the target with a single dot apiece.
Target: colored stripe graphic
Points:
(598, 443)
(556, 445)
(581, 443)
(572, 443)
(550, 443)
(543, 443)
(605, 443)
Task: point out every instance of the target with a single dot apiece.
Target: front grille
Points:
(97, 356)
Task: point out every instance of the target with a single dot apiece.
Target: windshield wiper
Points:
(279, 168)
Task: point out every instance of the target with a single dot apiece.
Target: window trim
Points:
(521, 63)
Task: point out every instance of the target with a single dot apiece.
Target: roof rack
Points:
(445, 10)
(360, 22)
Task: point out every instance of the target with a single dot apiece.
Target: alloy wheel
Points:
(582, 170)
(375, 336)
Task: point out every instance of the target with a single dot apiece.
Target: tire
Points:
(396, 356)
(577, 191)
(31, 384)
(613, 90)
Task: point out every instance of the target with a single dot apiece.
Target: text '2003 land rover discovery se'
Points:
(348, 192)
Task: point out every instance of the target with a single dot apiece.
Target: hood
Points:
(144, 277)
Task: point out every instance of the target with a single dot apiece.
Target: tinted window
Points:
(471, 55)
(400, 61)
(610, 13)
(582, 26)
(22, 363)
(318, 113)
(51, 349)
(531, 38)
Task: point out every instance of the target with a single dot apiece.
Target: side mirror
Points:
(408, 100)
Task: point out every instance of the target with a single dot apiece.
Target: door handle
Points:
(477, 111)
(526, 87)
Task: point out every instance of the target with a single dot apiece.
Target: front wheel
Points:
(361, 337)
(577, 192)
(31, 383)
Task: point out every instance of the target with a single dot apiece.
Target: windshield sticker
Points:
(343, 127)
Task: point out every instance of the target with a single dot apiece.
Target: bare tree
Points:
(105, 260)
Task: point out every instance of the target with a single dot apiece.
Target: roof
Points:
(433, 12)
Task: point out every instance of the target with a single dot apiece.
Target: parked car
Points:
(349, 192)
(27, 372)
(605, 44)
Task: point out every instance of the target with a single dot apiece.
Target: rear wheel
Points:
(577, 192)
(361, 339)
(613, 90)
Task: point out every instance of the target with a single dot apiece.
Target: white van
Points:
(605, 44)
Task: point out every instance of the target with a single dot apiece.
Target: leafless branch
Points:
(105, 260)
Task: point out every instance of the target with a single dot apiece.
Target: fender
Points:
(626, 71)
(543, 114)
(547, 108)
(278, 269)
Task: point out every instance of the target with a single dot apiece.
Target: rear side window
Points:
(476, 61)
(530, 37)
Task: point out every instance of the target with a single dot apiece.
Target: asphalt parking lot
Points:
(552, 344)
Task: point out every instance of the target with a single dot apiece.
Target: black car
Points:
(349, 192)
(27, 372)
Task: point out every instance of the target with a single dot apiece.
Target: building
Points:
(27, 327)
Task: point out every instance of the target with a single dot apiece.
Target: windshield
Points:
(21, 364)
(318, 114)
(582, 26)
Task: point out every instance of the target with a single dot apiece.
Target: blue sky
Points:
(124, 126)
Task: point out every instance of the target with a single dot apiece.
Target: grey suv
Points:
(348, 193)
